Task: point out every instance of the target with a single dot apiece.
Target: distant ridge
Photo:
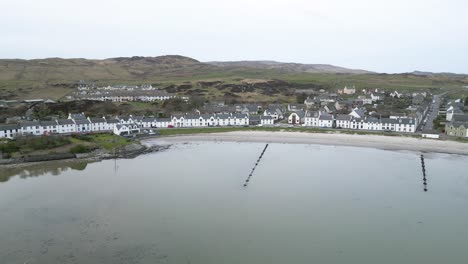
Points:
(289, 67)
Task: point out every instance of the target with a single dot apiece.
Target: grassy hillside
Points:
(55, 77)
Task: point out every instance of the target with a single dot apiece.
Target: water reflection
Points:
(35, 170)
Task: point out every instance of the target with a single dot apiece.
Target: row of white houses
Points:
(355, 120)
(79, 123)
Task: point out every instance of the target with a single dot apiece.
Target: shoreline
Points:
(91, 157)
(336, 139)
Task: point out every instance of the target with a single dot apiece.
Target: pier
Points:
(423, 166)
(255, 166)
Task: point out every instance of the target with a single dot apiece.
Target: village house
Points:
(49, 127)
(311, 118)
(296, 118)
(126, 129)
(10, 131)
(309, 102)
(83, 125)
(99, 124)
(458, 127)
(396, 94)
(66, 126)
(295, 107)
(348, 91)
(375, 97)
(275, 112)
(256, 120)
(358, 113)
(451, 111)
(31, 128)
(163, 122)
(343, 121)
(325, 120)
(343, 105)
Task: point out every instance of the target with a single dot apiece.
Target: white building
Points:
(311, 119)
(83, 126)
(275, 112)
(296, 118)
(31, 128)
(325, 120)
(49, 127)
(9, 131)
(343, 121)
(99, 124)
(126, 129)
(66, 126)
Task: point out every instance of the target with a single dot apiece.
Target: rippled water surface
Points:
(304, 204)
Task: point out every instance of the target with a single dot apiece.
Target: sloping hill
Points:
(252, 80)
(288, 67)
(77, 69)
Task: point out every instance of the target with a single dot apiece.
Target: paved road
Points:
(432, 112)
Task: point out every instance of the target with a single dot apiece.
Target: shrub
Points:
(80, 149)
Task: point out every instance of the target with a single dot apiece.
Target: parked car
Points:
(170, 126)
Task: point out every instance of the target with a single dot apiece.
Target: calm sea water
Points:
(304, 204)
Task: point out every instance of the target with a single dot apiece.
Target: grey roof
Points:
(371, 119)
(30, 123)
(97, 120)
(125, 118)
(459, 124)
(359, 112)
(343, 117)
(207, 116)
(223, 116)
(255, 118)
(48, 123)
(357, 120)
(192, 116)
(138, 118)
(113, 121)
(312, 114)
(460, 118)
(163, 120)
(178, 116)
(82, 122)
(9, 126)
(65, 122)
(240, 116)
(266, 117)
(456, 111)
(388, 121)
(325, 117)
(405, 121)
(77, 116)
(148, 119)
(299, 113)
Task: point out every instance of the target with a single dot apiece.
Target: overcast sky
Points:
(384, 36)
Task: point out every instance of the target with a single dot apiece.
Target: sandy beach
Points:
(366, 141)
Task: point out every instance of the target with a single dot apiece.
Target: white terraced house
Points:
(311, 119)
(196, 120)
(99, 124)
(343, 121)
(9, 131)
(49, 127)
(66, 126)
(325, 120)
(31, 128)
(126, 129)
